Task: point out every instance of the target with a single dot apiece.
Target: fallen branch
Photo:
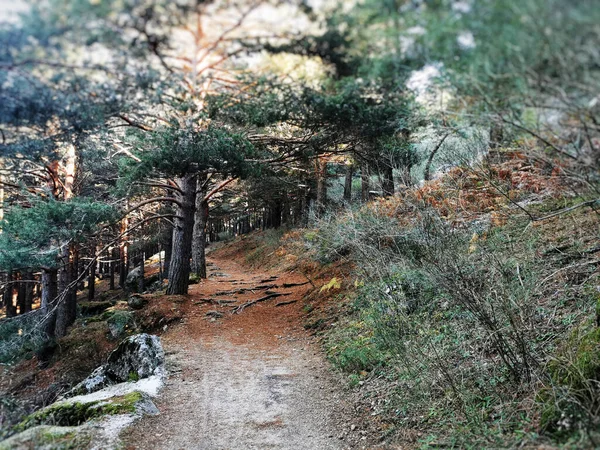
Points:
(289, 285)
(269, 280)
(214, 301)
(566, 210)
(244, 290)
(286, 303)
(240, 308)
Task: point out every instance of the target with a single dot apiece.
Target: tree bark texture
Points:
(387, 185)
(7, 296)
(63, 309)
(348, 183)
(365, 174)
(48, 299)
(199, 239)
(183, 232)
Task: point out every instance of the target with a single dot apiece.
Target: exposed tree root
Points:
(240, 308)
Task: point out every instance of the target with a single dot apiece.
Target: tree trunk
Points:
(276, 214)
(365, 182)
(21, 293)
(321, 173)
(92, 281)
(285, 209)
(111, 269)
(348, 183)
(123, 255)
(64, 279)
(48, 300)
(29, 285)
(7, 296)
(183, 232)
(168, 244)
(199, 239)
(387, 186)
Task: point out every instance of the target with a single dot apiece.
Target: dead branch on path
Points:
(289, 285)
(244, 290)
(214, 301)
(240, 308)
(289, 302)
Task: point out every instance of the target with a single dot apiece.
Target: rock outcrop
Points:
(112, 397)
(136, 357)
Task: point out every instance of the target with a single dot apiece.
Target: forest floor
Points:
(253, 379)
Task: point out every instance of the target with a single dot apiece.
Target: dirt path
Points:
(253, 380)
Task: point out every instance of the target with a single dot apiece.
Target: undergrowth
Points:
(485, 330)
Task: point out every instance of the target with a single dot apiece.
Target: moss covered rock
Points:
(46, 437)
(136, 357)
(74, 412)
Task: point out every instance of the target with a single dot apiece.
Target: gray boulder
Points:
(136, 301)
(132, 281)
(139, 355)
(136, 357)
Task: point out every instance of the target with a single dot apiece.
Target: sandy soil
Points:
(253, 380)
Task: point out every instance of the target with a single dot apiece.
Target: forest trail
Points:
(249, 380)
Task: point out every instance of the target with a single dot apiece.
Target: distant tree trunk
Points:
(200, 224)
(75, 272)
(348, 183)
(11, 310)
(92, 281)
(21, 293)
(276, 214)
(48, 299)
(64, 316)
(111, 269)
(123, 255)
(365, 182)
(183, 233)
(321, 173)
(285, 209)
(29, 286)
(387, 185)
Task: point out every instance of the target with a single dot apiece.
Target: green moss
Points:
(75, 413)
(48, 438)
(120, 322)
(133, 376)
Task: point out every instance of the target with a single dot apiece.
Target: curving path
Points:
(253, 380)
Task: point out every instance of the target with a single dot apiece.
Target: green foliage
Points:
(32, 236)
(174, 151)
